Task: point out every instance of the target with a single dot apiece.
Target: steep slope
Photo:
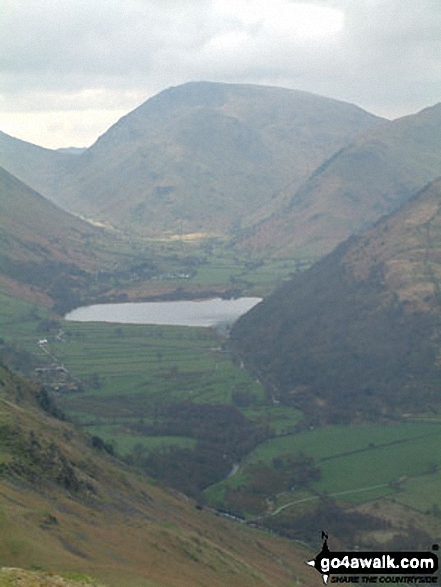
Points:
(32, 228)
(205, 157)
(357, 335)
(42, 245)
(36, 166)
(49, 256)
(68, 505)
(10, 577)
(371, 177)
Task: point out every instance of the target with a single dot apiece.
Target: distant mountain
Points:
(69, 506)
(357, 336)
(32, 228)
(36, 166)
(46, 253)
(72, 150)
(205, 157)
(371, 177)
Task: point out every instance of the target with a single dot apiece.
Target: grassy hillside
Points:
(353, 343)
(40, 244)
(53, 258)
(69, 507)
(11, 577)
(50, 256)
(33, 165)
(373, 176)
(32, 228)
(203, 157)
(356, 336)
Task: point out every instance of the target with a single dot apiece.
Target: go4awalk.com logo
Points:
(375, 567)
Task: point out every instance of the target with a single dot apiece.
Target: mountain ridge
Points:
(355, 186)
(37, 167)
(201, 157)
(356, 336)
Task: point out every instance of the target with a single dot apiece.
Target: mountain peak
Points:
(204, 156)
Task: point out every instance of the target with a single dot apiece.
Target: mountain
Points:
(356, 337)
(371, 177)
(69, 506)
(200, 157)
(39, 242)
(50, 257)
(73, 150)
(32, 228)
(35, 166)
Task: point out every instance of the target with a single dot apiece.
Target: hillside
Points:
(46, 253)
(202, 157)
(69, 506)
(40, 243)
(356, 337)
(373, 176)
(11, 577)
(55, 259)
(32, 228)
(35, 166)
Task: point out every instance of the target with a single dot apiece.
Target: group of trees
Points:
(351, 528)
(347, 526)
(266, 481)
(223, 435)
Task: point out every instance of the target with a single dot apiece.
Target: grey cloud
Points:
(387, 58)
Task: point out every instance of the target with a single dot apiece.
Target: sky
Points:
(69, 69)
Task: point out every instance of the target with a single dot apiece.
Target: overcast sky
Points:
(70, 68)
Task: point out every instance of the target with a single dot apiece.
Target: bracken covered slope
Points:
(357, 336)
(373, 176)
(32, 228)
(46, 253)
(66, 505)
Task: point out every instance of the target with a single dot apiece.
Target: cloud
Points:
(90, 56)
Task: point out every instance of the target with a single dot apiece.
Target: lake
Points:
(212, 312)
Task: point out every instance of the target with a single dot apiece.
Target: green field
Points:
(154, 362)
(117, 375)
(250, 274)
(125, 443)
(358, 463)
(333, 442)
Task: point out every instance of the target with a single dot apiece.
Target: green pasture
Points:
(215, 274)
(384, 464)
(247, 274)
(325, 443)
(281, 419)
(19, 321)
(138, 367)
(359, 463)
(422, 493)
(125, 443)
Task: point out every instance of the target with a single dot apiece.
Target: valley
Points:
(125, 383)
(70, 508)
(318, 409)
